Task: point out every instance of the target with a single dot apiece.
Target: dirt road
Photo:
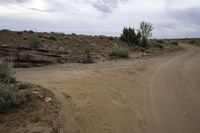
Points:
(159, 95)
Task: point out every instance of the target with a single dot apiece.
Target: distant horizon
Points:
(79, 34)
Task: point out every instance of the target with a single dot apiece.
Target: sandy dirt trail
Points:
(158, 95)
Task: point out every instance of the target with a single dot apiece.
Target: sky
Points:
(170, 18)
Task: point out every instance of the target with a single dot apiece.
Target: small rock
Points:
(38, 94)
(35, 92)
(48, 99)
(61, 48)
(145, 54)
(4, 45)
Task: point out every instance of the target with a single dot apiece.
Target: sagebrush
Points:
(87, 56)
(12, 94)
(6, 71)
(119, 53)
(35, 42)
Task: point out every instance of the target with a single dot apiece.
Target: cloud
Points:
(171, 18)
(41, 10)
(189, 15)
(12, 1)
(107, 6)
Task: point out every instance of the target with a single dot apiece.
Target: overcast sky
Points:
(171, 18)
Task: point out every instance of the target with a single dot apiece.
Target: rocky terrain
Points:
(28, 48)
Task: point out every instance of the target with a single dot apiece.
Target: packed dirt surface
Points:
(158, 95)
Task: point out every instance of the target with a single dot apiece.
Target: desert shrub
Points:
(101, 37)
(35, 119)
(11, 96)
(25, 38)
(23, 85)
(6, 71)
(5, 30)
(40, 36)
(193, 41)
(35, 43)
(160, 41)
(43, 40)
(119, 53)
(159, 45)
(146, 32)
(144, 43)
(19, 32)
(130, 36)
(146, 29)
(73, 34)
(30, 31)
(110, 38)
(87, 56)
(174, 43)
(52, 37)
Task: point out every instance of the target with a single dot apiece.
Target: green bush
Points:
(144, 43)
(130, 36)
(35, 43)
(5, 30)
(159, 45)
(11, 96)
(160, 41)
(87, 56)
(119, 53)
(110, 38)
(192, 41)
(30, 31)
(146, 29)
(174, 43)
(6, 71)
(73, 34)
(23, 85)
(19, 32)
(35, 119)
(52, 37)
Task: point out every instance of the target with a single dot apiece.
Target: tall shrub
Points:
(130, 36)
(146, 32)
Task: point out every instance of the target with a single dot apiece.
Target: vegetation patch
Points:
(12, 94)
(5, 30)
(36, 115)
(130, 36)
(52, 38)
(119, 53)
(175, 43)
(87, 56)
(35, 43)
(138, 37)
(23, 85)
(22, 105)
(6, 71)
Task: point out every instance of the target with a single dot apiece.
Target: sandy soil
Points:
(159, 95)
